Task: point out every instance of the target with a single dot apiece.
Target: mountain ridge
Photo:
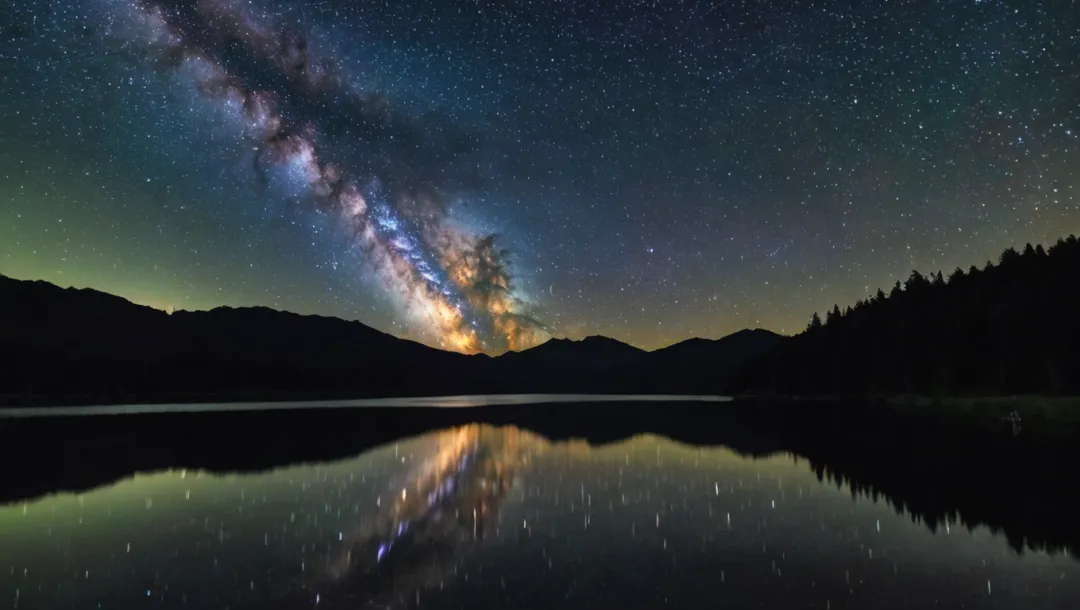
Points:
(100, 347)
(1004, 329)
(588, 339)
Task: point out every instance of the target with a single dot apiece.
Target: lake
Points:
(622, 504)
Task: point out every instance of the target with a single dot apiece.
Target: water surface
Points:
(473, 400)
(481, 516)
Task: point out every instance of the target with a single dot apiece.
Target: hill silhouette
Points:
(594, 353)
(66, 345)
(1007, 328)
(85, 342)
(693, 366)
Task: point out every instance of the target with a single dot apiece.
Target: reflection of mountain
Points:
(1025, 486)
(444, 507)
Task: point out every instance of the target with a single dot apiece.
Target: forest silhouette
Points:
(1007, 328)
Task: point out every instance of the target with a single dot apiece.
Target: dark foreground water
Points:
(493, 515)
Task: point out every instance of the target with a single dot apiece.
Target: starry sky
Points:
(483, 175)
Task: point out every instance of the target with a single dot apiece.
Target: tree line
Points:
(1007, 328)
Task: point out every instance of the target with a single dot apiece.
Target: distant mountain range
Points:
(67, 345)
(1005, 329)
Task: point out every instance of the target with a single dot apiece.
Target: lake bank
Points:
(1046, 414)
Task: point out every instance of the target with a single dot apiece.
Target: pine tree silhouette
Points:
(1012, 328)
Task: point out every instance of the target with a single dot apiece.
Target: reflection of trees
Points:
(448, 505)
(940, 472)
(924, 508)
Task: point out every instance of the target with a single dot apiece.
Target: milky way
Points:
(455, 284)
(652, 171)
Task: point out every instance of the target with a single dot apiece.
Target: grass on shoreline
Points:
(1054, 414)
(1037, 411)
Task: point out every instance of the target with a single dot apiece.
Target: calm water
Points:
(481, 516)
(478, 400)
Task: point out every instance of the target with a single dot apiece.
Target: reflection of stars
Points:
(644, 506)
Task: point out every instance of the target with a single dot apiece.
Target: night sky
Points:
(649, 171)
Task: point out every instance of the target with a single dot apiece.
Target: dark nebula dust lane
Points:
(481, 177)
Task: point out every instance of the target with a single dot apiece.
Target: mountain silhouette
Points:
(1009, 328)
(695, 365)
(66, 345)
(566, 365)
(93, 344)
(590, 351)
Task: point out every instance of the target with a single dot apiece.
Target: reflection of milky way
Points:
(346, 152)
(446, 506)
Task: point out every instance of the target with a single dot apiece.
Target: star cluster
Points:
(481, 176)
